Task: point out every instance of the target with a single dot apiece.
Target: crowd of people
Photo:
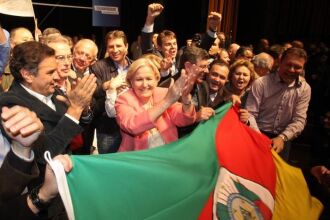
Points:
(58, 96)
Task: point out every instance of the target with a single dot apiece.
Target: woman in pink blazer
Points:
(149, 115)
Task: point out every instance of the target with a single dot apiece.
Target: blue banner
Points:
(106, 13)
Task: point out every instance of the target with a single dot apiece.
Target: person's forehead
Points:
(292, 58)
(202, 61)
(22, 33)
(47, 63)
(86, 48)
(116, 41)
(169, 39)
(221, 70)
(60, 48)
(242, 69)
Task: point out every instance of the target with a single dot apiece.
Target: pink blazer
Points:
(134, 120)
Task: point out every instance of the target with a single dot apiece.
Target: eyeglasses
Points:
(63, 58)
(81, 54)
(203, 66)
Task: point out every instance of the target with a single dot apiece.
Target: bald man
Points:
(263, 63)
(17, 36)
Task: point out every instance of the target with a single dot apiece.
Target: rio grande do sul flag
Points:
(223, 170)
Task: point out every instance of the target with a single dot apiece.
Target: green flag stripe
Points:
(169, 182)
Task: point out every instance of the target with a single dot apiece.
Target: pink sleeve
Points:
(180, 118)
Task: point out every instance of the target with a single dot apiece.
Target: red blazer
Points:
(135, 121)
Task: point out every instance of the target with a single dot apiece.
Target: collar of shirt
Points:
(213, 95)
(86, 72)
(45, 99)
(278, 79)
(124, 68)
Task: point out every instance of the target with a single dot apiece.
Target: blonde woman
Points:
(149, 115)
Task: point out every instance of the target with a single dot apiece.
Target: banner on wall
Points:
(106, 13)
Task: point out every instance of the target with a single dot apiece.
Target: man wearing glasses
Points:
(63, 58)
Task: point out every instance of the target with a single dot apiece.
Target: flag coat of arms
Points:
(223, 170)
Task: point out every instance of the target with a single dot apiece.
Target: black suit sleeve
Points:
(17, 208)
(15, 175)
(207, 41)
(146, 42)
(57, 140)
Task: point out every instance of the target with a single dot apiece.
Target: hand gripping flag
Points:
(223, 170)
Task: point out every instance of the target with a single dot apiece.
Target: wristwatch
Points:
(36, 201)
(283, 137)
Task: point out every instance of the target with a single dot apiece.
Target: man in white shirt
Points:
(19, 168)
(34, 68)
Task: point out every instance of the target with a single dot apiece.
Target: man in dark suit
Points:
(167, 47)
(34, 68)
(19, 168)
(107, 71)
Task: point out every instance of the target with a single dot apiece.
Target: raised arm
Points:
(214, 20)
(154, 10)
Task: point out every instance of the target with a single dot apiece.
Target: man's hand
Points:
(176, 88)
(80, 97)
(49, 189)
(236, 100)
(115, 83)
(154, 10)
(214, 20)
(278, 144)
(166, 63)
(204, 114)
(322, 174)
(21, 124)
(243, 115)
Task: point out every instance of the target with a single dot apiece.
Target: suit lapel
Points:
(44, 112)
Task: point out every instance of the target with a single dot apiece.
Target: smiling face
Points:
(290, 68)
(217, 77)
(143, 83)
(117, 49)
(241, 78)
(44, 81)
(84, 54)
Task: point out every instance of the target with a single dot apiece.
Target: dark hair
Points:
(276, 51)
(28, 56)
(192, 54)
(299, 52)
(164, 34)
(219, 63)
(197, 39)
(241, 51)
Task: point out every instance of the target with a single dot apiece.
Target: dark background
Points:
(278, 20)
